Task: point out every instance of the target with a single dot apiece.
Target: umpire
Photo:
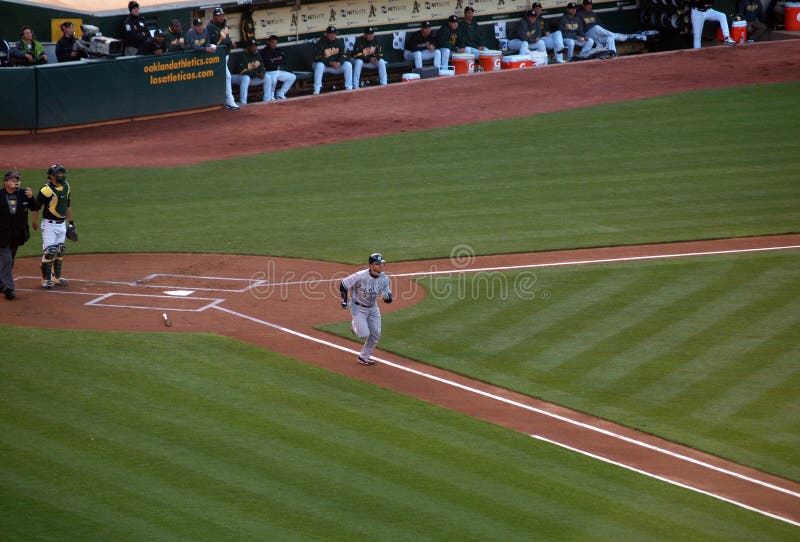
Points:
(14, 231)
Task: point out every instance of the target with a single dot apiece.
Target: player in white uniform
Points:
(702, 11)
(364, 287)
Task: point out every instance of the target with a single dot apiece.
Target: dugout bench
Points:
(299, 59)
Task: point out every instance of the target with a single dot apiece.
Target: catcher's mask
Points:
(57, 171)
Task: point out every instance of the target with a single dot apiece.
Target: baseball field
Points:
(595, 334)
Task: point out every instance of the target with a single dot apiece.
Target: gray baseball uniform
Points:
(364, 289)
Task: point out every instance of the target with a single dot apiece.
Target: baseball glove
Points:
(72, 232)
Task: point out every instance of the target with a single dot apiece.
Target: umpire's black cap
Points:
(13, 174)
(376, 257)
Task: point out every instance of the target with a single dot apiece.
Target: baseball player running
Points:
(55, 200)
(364, 287)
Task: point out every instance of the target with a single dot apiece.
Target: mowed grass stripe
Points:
(647, 344)
(689, 320)
(204, 445)
(112, 492)
(755, 305)
(162, 467)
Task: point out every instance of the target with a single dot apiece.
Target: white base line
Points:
(531, 409)
(456, 271)
(667, 480)
(603, 260)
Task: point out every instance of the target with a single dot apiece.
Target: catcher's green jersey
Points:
(55, 200)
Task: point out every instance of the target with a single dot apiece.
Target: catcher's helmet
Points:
(55, 169)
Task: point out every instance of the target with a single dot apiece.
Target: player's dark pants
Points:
(7, 255)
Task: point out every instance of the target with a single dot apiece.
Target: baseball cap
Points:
(426, 24)
(158, 32)
(369, 30)
(272, 37)
(133, 5)
(12, 174)
(197, 22)
(530, 13)
(469, 8)
(452, 19)
(571, 5)
(330, 30)
(587, 2)
(536, 5)
(250, 42)
(376, 257)
(219, 11)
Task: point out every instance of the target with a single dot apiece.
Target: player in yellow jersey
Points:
(56, 210)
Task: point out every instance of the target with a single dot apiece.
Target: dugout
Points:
(297, 23)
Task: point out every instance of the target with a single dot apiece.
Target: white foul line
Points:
(664, 479)
(538, 411)
(587, 262)
(463, 270)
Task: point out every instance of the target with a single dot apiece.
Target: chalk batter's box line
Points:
(250, 282)
(99, 302)
(137, 283)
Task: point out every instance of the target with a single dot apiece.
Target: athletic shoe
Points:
(728, 41)
(47, 284)
(280, 97)
(363, 361)
(61, 281)
(232, 107)
(10, 293)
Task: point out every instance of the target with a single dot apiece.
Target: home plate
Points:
(180, 293)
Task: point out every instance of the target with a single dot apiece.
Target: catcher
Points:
(57, 225)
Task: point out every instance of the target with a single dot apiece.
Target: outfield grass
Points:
(702, 351)
(190, 437)
(689, 166)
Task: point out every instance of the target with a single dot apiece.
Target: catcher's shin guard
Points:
(48, 259)
(59, 261)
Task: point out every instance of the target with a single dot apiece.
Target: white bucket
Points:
(538, 58)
